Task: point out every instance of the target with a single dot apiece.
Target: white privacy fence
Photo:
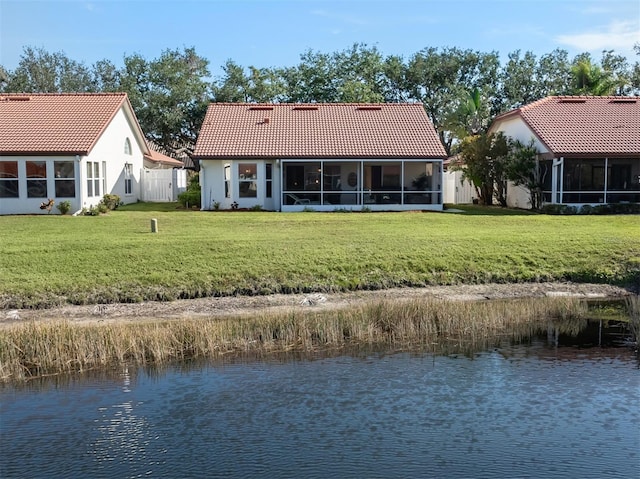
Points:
(162, 185)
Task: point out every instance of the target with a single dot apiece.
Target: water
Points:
(515, 411)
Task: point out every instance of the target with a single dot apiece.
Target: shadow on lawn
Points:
(478, 210)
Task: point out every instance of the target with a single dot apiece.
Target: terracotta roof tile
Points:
(156, 156)
(585, 125)
(323, 130)
(38, 123)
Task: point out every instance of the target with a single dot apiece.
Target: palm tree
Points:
(590, 79)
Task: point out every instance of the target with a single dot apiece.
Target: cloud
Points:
(618, 35)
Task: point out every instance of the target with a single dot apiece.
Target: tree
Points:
(522, 169)
(469, 118)
(312, 80)
(234, 85)
(519, 84)
(440, 78)
(619, 71)
(169, 95)
(589, 79)
(39, 71)
(482, 162)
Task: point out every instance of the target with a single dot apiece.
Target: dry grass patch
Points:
(36, 349)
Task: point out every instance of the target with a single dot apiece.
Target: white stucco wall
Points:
(110, 148)
(515, 128)
(212, 184)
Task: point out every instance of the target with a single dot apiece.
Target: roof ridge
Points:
(289, 104)
(120, 93)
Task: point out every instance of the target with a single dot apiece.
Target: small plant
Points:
(366, 209)
(256, 208)
(102, 208)
(111, 201)
(64, 207)
(308, 209)
(216, 205)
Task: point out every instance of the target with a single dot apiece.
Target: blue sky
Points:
(273, 33)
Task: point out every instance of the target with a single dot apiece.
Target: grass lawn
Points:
(51, 259)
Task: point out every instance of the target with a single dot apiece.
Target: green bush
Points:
(607, 209)
(111, 201)
(191, 197)
(64, 207)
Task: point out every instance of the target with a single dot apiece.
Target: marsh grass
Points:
(38, 349)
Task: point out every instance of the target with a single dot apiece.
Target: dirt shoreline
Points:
(246, 305)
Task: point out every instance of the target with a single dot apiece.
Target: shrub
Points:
(607, 209)
(64, 207)
(191, 197)
(256, 208)
(111, 201)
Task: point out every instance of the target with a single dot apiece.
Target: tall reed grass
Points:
(38, 349)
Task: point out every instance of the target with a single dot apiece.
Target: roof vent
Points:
(623, 100)
(15, 98)
(369, 108)
(261, 108)
(572, 100)
(305, 107)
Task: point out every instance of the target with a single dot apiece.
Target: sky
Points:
(274, 33)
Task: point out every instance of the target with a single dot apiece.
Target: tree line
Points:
(461, 89)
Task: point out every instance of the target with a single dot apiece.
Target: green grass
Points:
(49, 260)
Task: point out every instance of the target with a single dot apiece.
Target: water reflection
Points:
(531, 407)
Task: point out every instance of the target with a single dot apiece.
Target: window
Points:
(65, 179)
(37, 179)
(227, 181)
(269, 180)
(93, 178)
(247, 183)
(127, 146)
(9, 179)
(128, 181)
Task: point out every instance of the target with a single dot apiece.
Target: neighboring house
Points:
(288, 157)
(589, 148)
(68, 147)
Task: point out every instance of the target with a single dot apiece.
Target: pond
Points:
(539, 408)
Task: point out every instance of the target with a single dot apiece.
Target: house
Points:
(288, 157)
(68, 147)
(589, 148)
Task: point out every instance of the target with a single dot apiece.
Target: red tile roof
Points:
(58, 123)
(323, 130)
(584, 125)
(162, 159)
